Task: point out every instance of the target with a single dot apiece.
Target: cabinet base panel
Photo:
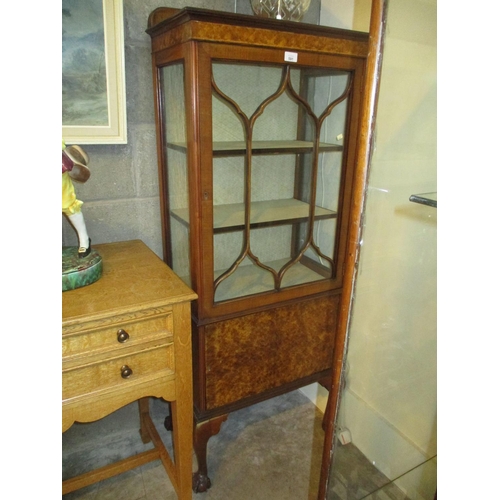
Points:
(244, 360)
(257, 353)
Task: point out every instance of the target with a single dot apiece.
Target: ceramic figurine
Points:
(74, 167)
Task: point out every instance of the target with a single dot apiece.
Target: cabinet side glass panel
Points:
(175, 147)
(276, 176)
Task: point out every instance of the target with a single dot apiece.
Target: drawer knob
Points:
(126, 371)
(123, 336)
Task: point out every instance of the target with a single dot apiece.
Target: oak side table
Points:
(127, 337)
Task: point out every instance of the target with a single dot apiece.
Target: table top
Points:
(133, 277)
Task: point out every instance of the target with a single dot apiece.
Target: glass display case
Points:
(257, 124)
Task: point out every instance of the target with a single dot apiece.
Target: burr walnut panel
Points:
(258, 352)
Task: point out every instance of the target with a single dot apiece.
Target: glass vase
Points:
(290, 10)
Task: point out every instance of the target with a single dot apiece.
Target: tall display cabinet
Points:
(257, 137)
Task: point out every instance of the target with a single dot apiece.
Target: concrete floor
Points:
(270, 451)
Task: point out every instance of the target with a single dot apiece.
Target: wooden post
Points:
(365, 147)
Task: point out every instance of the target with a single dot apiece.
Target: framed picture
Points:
(93, 72)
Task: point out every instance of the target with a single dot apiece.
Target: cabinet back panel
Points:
(254, 353)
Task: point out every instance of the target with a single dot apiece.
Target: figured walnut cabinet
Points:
(257, 133)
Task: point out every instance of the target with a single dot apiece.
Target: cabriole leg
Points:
(203, 431)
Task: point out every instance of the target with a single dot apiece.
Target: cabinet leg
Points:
(168, 419)
(143, 411)
(203, 431)
(326, 383)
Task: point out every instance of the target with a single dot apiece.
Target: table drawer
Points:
(112, 372)
(126, 330)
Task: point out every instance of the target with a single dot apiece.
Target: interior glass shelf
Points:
(230, 148)
(429, 199)
(231, 217)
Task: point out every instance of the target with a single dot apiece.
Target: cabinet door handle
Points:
(126, 371)
(122, 336)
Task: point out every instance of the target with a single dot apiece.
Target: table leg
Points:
(143, 412)
(182, 429)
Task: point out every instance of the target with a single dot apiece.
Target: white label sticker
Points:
(291, 56)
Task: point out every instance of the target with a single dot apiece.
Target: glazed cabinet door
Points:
(271, 230)
(279, 172)
(257, 190)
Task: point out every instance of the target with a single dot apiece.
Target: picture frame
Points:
(93, 72)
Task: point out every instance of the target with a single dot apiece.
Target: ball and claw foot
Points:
(201, 483)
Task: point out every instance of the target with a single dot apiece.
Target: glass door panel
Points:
(175, 167)
(277, 175)
(246, 84)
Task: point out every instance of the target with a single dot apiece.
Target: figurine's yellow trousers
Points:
(70, 205)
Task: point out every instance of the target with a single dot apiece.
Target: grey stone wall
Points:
(121, 198)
